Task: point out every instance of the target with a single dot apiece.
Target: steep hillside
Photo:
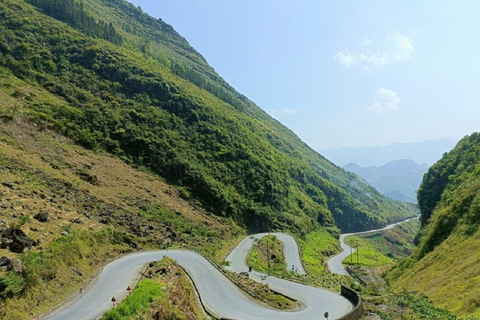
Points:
(445, 264)
(66, 211)
(397, 179)
(128, 84)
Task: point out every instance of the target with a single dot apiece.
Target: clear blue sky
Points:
(344, 73)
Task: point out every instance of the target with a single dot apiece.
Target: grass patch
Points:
(383, 248)
(422, 308)
(138, 302)
(47, 277)
(367, 255)
(316, 248)
(448, 275)
(267, 255)
(168, 294)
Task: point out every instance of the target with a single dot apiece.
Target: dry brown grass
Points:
(88, 191)
(449, 275)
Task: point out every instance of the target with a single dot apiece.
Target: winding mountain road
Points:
(335, 263)
(290, 252)
(219, 296)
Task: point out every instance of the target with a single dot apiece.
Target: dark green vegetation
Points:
(407, 306)
(75, 14)
(454, 182)
(444, 266)
(154, 102)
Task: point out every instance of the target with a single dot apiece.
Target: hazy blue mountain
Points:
(421, 152)
(397, 179)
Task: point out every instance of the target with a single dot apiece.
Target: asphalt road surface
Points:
(219, 296)
(290, 251)
(335, 263)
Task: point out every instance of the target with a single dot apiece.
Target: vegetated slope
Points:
(398, 179)
(167, 293)
(267, 256)
(384, 247)
(130, 85)
(80, 209)
(445, 264)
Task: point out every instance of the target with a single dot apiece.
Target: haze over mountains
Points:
(397, 179)
(420, 152)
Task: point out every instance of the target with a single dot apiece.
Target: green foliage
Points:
(385, 247)
(74, 13)
(137, 302)
(316, 248)
(423, 308)
(11, 284)
(450, 195)
(267, 256)
(367, 254)
(41, 268)
(134, 102)
(443, 266)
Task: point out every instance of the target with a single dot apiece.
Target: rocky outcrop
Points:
(8, 184)
(4, 262)
(15, 240)
(41, 216)
(16, 266)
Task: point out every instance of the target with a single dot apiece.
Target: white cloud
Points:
(398, 48)
(289, 111)
(346, 58)
(385, 100)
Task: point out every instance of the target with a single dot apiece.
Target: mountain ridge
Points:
(428, 152)
(187, 116)
(444, 264)
(116, 136)
(398, 179)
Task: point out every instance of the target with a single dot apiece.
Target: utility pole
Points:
(358, 263)
(351, 253)
(268, 256)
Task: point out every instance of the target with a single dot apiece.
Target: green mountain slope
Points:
(130, 85)
(445, 264)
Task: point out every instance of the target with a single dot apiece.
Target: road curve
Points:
(335, 263)
(290, 251)
(219, 296)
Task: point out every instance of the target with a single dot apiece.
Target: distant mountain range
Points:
(397, 179)
(421, 152)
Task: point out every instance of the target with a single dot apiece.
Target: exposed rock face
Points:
(41, 216)
(8, 184)
(16, 240)
(16, 266)
(4, 262)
